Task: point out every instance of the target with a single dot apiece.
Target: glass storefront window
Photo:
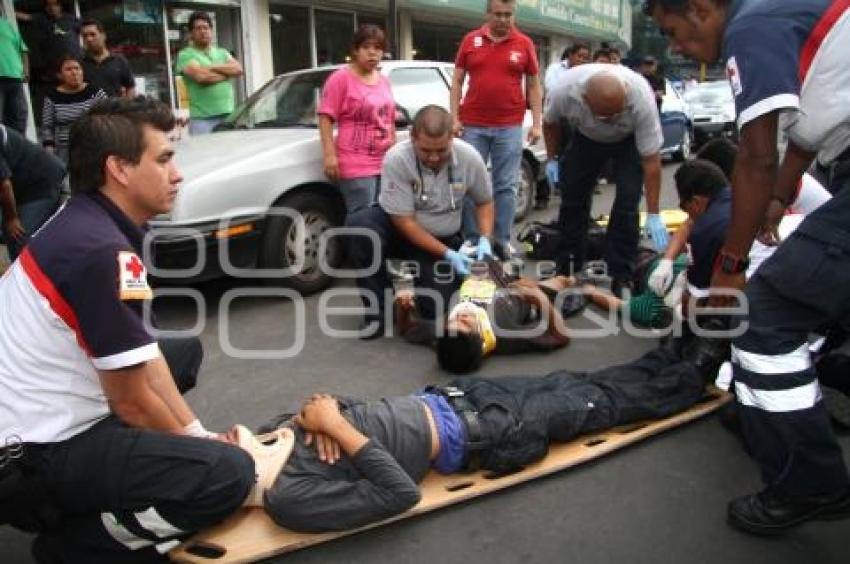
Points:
(135, 30)
(333, 36)
(290, 37)
(541, 45)
(436, 42)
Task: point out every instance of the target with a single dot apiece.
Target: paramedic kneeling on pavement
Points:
(782, 58)
(613, 114)
(115, 466)
(423, 184)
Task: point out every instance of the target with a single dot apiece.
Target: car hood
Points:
(205, 154)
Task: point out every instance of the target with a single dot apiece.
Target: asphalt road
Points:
(662, 500)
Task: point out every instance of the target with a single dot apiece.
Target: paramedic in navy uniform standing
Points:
(789, 58)
(123, 466)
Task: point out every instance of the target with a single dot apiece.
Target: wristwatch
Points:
(731, 264)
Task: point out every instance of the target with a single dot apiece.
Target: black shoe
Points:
(372, 328)
(770, 512)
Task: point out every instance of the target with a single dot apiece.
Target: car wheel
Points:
(525, 192)
(285, 240)
(685, 148)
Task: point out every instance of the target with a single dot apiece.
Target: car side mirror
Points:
(402, 118)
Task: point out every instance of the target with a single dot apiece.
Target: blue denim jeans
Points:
(202, 126)
(359, 193)
(503, 147)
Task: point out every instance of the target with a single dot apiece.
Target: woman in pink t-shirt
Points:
(359, 100)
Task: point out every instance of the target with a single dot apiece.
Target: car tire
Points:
(525, 190)
(283, 239)
(685, 148)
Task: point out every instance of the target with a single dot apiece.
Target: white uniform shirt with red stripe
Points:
(71, 305)
(793, 56)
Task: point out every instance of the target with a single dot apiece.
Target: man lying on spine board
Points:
(357, 462)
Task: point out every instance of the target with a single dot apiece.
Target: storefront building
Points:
(274, 36)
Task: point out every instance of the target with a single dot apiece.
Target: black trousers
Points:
(580, 166)
(119, 494)
(13, 104)
(803, 286)
(521, 415)
(433, 273)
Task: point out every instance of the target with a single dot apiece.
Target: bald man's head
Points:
(605, 95)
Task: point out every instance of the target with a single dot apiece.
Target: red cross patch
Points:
(132, 278)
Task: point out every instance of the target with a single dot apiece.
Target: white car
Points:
(676, 124)
(266, 155)
(713, 106)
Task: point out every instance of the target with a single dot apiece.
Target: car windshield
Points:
(288, 101)
(713, 94)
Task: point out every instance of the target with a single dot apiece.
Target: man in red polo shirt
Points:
(496, 57)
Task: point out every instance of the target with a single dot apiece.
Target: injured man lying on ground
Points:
(358, 462)
(496, 313)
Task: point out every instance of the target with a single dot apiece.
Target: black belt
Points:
(474, 442)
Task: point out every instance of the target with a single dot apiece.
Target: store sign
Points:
(598, 16)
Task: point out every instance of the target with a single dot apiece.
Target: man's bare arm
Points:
(7, 201)
(534, 93)
(454, 99)
(416, 234)
(231, 68)
(133, 399)
(202, 75)
(652, 181)
(552, 137)
(679, 240)
(753, 179)
(485, 216)
(162, 382)
(796, 162)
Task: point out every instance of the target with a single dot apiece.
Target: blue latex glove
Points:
(484, 248)
(460, 262)
(657, 231)
(552, 171)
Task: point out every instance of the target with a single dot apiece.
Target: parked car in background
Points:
(267, 155)
(676, 124)
(713, 107)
